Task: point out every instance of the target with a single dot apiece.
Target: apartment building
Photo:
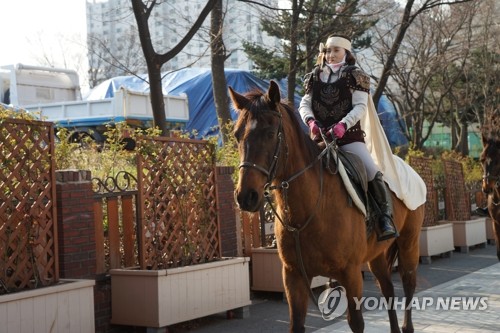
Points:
(112, 29)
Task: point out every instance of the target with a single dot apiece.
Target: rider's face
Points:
(334, 54)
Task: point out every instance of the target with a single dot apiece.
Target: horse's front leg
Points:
(297, 295)
(351, 279)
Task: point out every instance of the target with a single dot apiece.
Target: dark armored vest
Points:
(332, 101)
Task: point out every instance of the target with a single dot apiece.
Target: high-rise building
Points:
(114, 44)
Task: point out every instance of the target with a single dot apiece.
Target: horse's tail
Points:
(391, 255)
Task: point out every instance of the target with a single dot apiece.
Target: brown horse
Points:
(490, 160)
(313, 211)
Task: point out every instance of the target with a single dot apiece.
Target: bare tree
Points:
(428, 72)
(142, 12)
(219, 84)
(302, 27)
(474, 95)
(105, 64)
(483, 69)
(407, 18)
(65, 51)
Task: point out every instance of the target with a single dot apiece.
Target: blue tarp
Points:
(390, 123)
(196, 83)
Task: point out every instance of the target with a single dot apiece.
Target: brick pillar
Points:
(229, 224)
(75, 224)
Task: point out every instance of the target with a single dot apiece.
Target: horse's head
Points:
(260, 136)
(490, 160)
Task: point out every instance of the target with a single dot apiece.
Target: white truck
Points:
(24, 85)
(53, 94)
(88, 118)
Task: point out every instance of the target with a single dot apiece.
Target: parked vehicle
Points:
(22, 85)
(89, 118)
(53, 94)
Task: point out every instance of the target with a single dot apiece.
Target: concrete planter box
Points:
(436, 240)
(159, 298)
(267, 271)
(65, 307)
(469, 233)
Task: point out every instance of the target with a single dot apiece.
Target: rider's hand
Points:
(338, 130)
(314, 127)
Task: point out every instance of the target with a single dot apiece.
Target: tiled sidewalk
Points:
(482, 283)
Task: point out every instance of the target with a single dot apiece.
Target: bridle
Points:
(271, 172)
(494, 190)
(496, 187)
(284, 185)
(487, 178)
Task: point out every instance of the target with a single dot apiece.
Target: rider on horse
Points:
(337, 96)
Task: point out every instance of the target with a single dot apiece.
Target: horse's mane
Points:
(259, 104)
(311, 146)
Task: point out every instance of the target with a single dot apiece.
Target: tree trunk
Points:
(219, 82)
(391, 57)
(154, 61)
(292, 73)
(463, 142)
(157, 101)
(154, 67)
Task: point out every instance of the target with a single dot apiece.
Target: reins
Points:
(496, 188)
(284, 186)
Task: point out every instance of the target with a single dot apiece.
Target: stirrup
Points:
(389, 232)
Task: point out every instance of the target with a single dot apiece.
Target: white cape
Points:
(405, 182)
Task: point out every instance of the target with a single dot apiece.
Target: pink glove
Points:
(338, 130)
(314, 127)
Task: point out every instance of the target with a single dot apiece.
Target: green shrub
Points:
(103, 160)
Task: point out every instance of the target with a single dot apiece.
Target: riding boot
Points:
(382, 196)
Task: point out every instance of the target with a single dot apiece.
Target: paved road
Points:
(476, 273)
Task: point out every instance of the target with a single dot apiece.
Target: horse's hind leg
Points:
(407, 266)
(380, 268)
(297, 295)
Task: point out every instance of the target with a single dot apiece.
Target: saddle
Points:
(353, 173)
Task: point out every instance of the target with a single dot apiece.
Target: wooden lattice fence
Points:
(457, 200)
(28, 241)
(423, 166)
(177, 203)
(258, 229)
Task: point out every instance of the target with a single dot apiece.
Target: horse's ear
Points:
(239, 101)
(273, 93)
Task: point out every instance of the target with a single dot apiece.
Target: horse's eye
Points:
(271, 134)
